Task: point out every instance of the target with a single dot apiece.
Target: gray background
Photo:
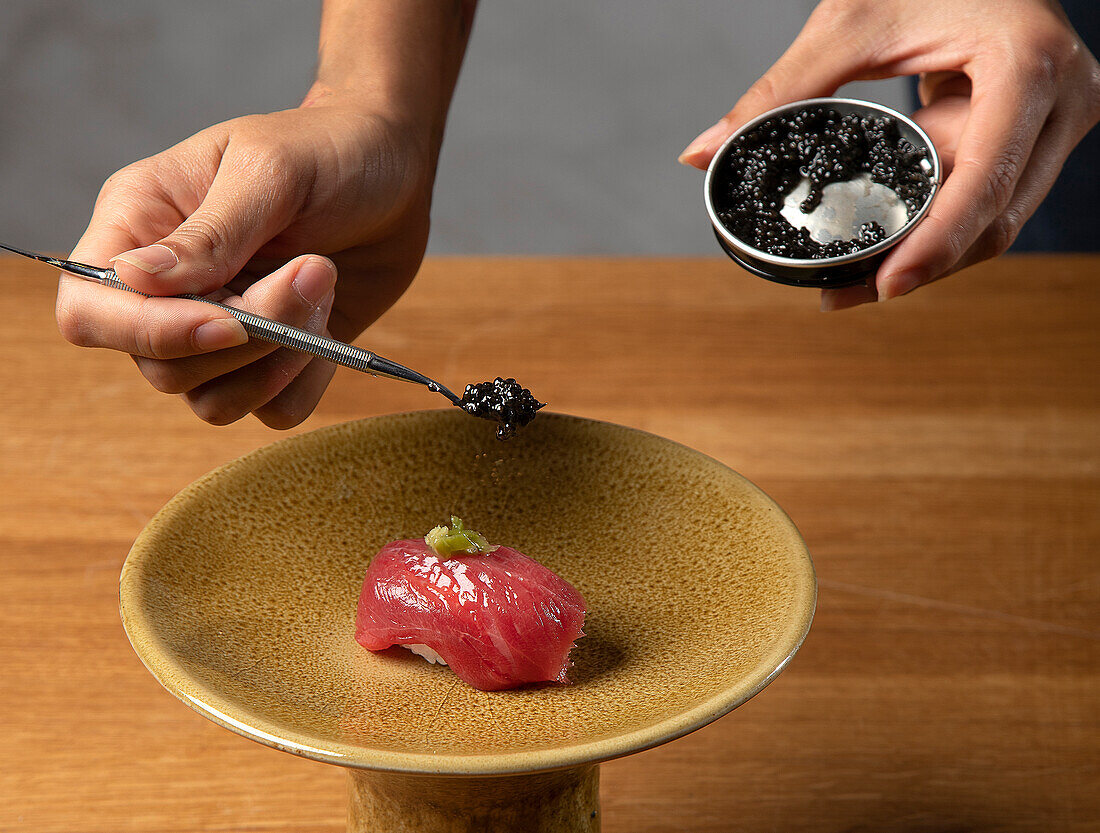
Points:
(563, 134)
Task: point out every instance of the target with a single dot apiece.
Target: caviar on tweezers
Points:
(504, 401)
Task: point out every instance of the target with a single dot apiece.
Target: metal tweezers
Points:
(265, 329)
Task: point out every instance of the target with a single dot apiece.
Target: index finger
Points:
(821, 59)
(90, 315)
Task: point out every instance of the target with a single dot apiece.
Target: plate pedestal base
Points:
(564, 801)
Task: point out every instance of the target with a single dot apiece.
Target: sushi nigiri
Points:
(498, 618)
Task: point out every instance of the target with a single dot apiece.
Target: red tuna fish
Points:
(499, 619)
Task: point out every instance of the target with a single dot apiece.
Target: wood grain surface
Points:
(940, 453)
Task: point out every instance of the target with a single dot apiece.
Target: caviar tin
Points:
(844, 270)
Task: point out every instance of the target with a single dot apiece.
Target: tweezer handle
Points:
(278, 333)
(267, 330)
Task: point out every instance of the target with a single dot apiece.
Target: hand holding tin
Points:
(1008, 90)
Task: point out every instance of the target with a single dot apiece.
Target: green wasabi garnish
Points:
(447, 541)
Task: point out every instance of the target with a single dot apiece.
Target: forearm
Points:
(399, 58)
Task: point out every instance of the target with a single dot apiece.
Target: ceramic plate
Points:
(240, 595)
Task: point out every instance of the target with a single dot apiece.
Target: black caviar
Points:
(823, 146)
(504, 401)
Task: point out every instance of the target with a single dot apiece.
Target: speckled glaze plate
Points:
(240, 595)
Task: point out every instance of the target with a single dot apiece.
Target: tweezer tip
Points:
(17, 251)
(435, 387)
(34, 255)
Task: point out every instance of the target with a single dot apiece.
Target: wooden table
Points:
(940, 453)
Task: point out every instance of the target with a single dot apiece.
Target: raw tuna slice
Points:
(499, 619)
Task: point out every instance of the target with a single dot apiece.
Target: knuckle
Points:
(250, 154)
(410, 173)
(997, 177)
(950, 235)
(212, 409)
(218, 416)
(147, 344)
(841, 13)
(1001, 234)
(204, 233)
(1092, 92)
(1003, 174)
(270, 405)
(162, 376)
(280, 374)
(843, 24)
(764, 95)
(71, 324)
(123, 179)
(281, 415)
(757, 99)
(149, 338)
(264, 159)
(136, 179)
(1043, 72)
(277, 160)
(110, 186)
(1053, 49)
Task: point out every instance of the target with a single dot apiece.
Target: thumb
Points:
(820, 60)
(241, 212)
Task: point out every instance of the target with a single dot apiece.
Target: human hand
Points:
(1007, 90)
(214, 215)
(348, 174)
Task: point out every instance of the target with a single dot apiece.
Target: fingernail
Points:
(901, 283)
(315, 279)
(219, 334)
(703, 139)
(151, 259)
